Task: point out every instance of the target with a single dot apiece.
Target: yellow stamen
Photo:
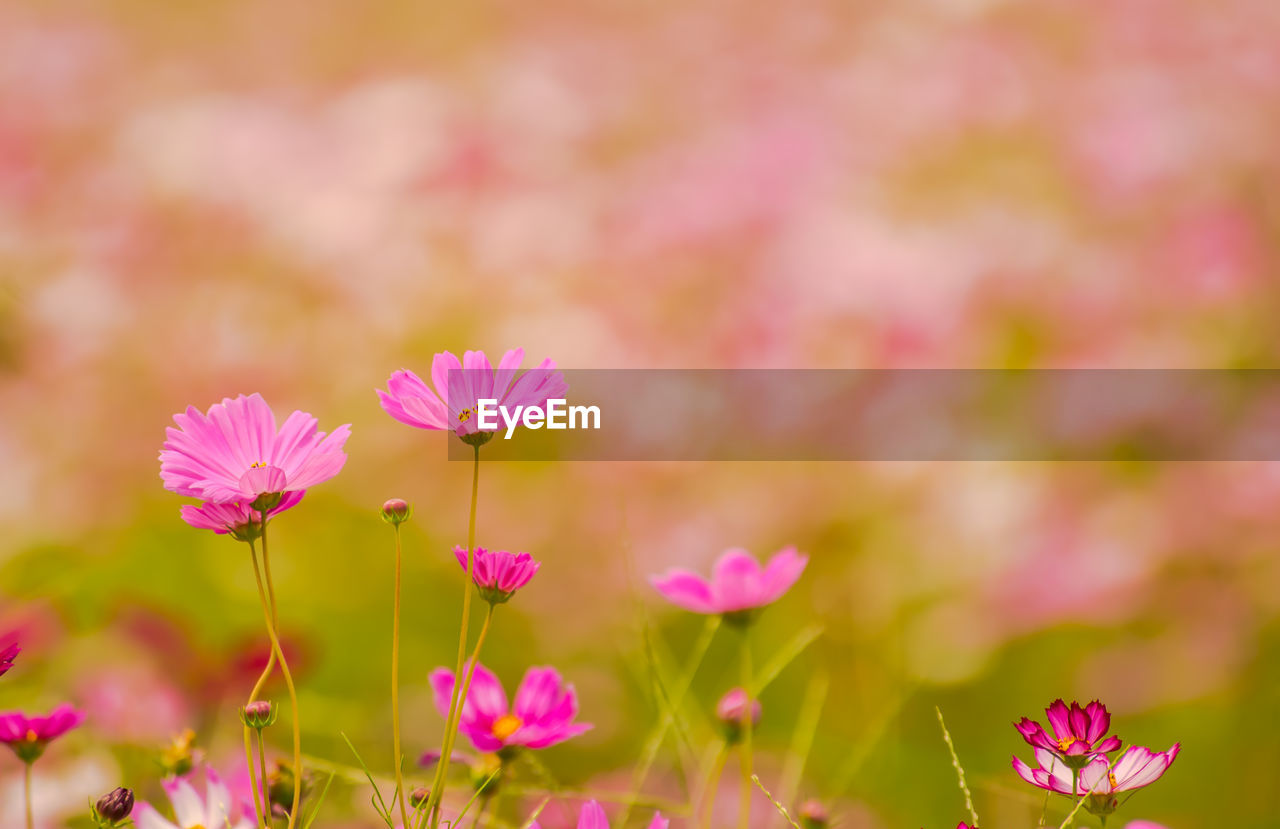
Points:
(254, 465)
(1066, 743)
(465, 415)
(506, 725)
(32, 736)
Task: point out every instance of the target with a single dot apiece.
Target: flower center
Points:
(1067, 742)
(31, 736)
(465, 415)
(254, 465)
(506, 725)
(1111, 778)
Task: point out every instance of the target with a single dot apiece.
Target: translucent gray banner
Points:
(892, 415)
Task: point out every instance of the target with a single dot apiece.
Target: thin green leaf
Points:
(785, 655)
(378, 803)
(320, 802)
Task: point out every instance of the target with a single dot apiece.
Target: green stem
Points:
(708, 800)
(284, 669)
(26, 790)
(474, 660)
(395, 691)
(266, 790)
(744, 751)
(451, 722)
(650, 752)
(264, 819)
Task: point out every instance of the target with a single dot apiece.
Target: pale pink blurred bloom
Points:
(233, 517)
(1144, 824)
(216, 808)
(738, 582)
(732, 707)
(235, 452)
(543, 714)
(1134, 768)
(134, 704)
(458, 385)
(498, 574)
(592, 816)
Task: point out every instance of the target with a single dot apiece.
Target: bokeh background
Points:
(201, 200)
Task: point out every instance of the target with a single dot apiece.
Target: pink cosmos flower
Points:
(1135, 768)
(7, 655)
(738, 583)
(460, 384)
(498, 574)
(237, 518)
(542, 716)
(1077, 732)
(28, 736)
(1144, 824)
(217, 808)
(235, 452)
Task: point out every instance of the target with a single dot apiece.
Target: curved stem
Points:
(744, 751)
(395, 691)
(451, 722)
(26, 790)
(264, 819)
(288, 676)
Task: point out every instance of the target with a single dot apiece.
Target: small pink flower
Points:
(235, 452)
(236, 518)
(452, 404)
(542, 716)
(1078, 732)
(498, 574)
(738, 583)
(7, 655)
(28, 736)
(1135, 768)
(217, 808)
(1144, 824)
(592, 816)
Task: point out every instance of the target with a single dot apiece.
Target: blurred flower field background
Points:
(198, 201)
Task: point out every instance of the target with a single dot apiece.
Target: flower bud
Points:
(114, 806)
(813, 815)
(259, 714)
(419, 796)
(396, 511)
(731, 710)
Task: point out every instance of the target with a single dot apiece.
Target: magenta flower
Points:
(235, 453)
(236, 518)
(7, 655)
(28, 736)
(498, 574)
(1135, 768)
(731, 711)
(738, 583)
(542, 716)
(1078, 733)
(217, 808)
(459, 385)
